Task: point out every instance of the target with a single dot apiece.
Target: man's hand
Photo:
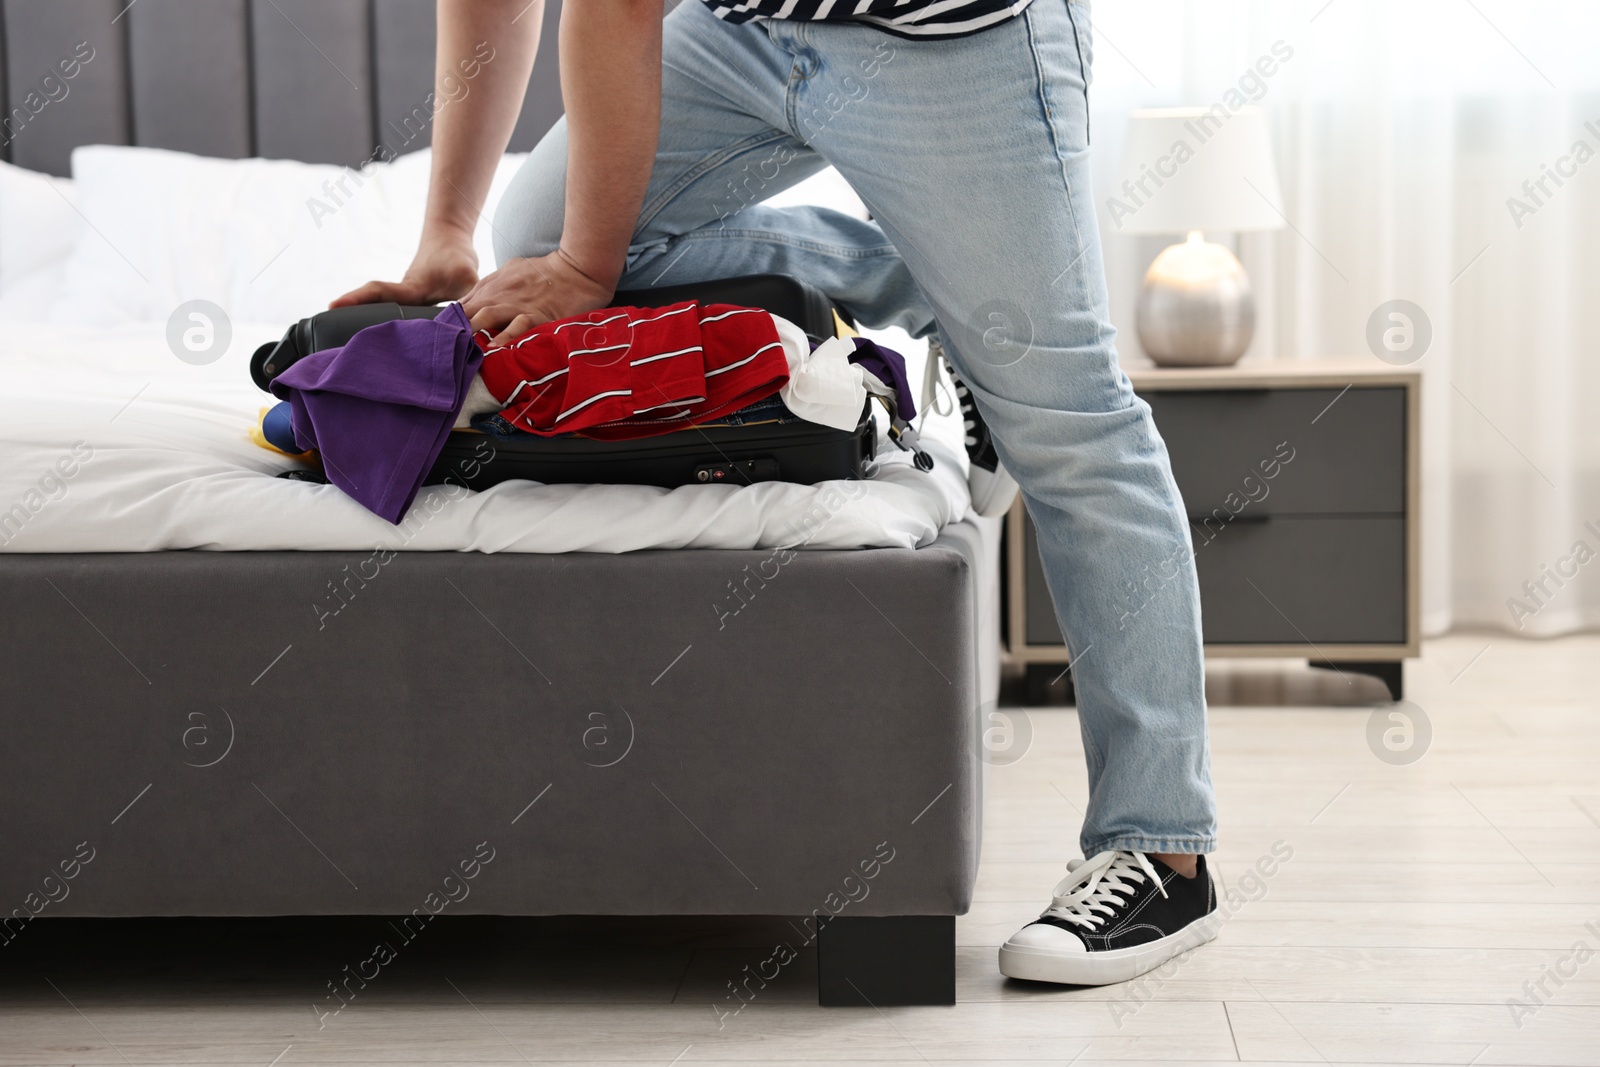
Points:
(439, 272)
(492, 44)
(611, 84)
(528, 292)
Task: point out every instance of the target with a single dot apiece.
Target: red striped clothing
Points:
(629, 372)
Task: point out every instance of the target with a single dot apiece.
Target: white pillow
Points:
(37, 228)
(268, 240)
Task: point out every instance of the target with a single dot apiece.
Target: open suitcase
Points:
(764, 442)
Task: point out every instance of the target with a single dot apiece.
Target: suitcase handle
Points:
(326, 329)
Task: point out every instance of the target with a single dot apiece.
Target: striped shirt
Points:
(624, 372)
(903, 18)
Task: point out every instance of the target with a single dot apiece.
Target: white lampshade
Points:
(1192, 168)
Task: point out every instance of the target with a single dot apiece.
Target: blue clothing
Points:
(972, 155)
(277, 426)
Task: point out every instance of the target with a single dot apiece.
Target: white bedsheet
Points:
(170, 465)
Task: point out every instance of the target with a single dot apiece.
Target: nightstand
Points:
(1319, 560)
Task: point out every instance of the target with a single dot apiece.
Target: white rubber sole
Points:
(1110, 966)
(992, 494)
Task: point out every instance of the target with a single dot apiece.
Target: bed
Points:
(227, 693)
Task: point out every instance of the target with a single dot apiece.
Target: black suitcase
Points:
(761, 443)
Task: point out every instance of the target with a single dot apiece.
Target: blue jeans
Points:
(972, 155)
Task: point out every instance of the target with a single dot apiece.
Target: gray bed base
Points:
(219, 733)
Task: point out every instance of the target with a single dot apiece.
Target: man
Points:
(963, 126)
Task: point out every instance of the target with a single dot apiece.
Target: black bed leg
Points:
(875, 961)
(1391, 672)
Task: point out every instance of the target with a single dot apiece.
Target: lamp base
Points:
(1196, 308)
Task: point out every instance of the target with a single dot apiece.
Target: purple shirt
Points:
(890, 368)
(379, 408)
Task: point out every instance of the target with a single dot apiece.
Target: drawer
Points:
(1349, 458)
(1286, 580)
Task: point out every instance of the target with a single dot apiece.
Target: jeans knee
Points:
(524, 229)
(528, 219)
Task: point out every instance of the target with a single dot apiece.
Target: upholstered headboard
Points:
(323, 81)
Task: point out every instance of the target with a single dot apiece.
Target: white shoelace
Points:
(1094, 888)
(963, 398)
(934, 397)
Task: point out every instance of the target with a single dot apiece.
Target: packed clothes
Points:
(623, 373)
(378, 410)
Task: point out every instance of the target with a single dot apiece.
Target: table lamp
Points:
(1191, 170)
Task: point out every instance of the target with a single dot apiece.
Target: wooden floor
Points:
(1419, 901)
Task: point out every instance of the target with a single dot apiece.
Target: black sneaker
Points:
(1114, 917)
(991, 488)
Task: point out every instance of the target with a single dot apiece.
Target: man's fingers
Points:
(483, 294)
(520, 295)
(517, 327)
(493, 317)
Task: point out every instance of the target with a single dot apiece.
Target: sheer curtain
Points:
(1404, 134)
